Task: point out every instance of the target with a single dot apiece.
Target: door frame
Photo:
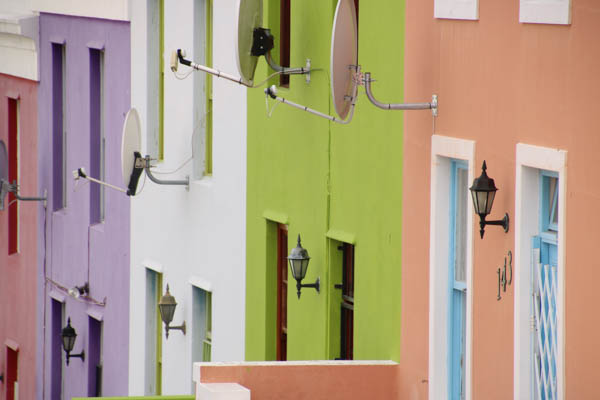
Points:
(530, 159)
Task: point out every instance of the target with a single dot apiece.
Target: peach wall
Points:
(306, 380)
(18, 272)
(499, 83)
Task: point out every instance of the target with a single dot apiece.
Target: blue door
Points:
(457, 278)
(544, 290)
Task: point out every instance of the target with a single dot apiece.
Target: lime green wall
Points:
(321, 177)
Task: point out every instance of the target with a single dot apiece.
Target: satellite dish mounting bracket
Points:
(6, 188)
(433, 105)
(262, 42)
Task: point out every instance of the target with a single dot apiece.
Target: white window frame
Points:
(443, 150)
(456, 9)
(531, 159)
(545, 11)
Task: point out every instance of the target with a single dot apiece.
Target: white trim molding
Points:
(530, 160)
(456, 9)
(443, 149)
(545, 11)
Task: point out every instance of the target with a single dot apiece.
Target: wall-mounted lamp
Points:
(79, 291)
(298, 260)
(483, 192)
(167, 305)
(68, 336)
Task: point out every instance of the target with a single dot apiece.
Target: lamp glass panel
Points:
(68, 343)
(296, 267)
(166, 312)
(304, 267)
(490, 202)
(475, 202)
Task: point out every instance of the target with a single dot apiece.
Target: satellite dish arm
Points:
(80, 173)
(6, 187)
(184, 182)
(179, 56)
(405, 106)
(286, 70)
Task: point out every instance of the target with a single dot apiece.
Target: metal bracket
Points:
(262, 42)
(308, 69)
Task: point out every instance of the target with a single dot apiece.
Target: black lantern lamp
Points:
(298, 260)
(166, 306)
(483, 192)
(68, 336)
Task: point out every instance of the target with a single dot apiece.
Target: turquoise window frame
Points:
(456, 296)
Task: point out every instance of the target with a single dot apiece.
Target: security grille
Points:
(545, 343)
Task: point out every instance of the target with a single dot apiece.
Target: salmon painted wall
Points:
(18, 271)
(501, 82)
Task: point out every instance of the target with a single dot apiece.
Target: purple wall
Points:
(78, 252)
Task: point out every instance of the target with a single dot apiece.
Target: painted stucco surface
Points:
(76, 251)
(320, 177)
(18, 292)
(314, 380)
(195, 237)
(500, 83)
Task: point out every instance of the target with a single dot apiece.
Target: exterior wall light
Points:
(166, 306)
(298, 260)
(79, 291)
(483, 192)
(68, 336)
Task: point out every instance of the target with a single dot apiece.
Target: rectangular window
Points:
(545, 11)
(284, 40)
(459, 203)
(94, 358)
(347, 304)
(456, 9)
(202, 134)
(153, 364)
(56, 352)
(155, 78)
(59, 133)
(282, 284)
(13, 174)
(97, 141)
(12, 374)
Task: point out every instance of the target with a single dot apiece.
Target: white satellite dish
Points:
(344, 56)
(249, 18)
(132, 162)
(131, 144)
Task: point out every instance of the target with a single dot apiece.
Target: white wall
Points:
(196, 235)
(109, 9)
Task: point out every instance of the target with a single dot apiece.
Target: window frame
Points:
(14, 173)
(556, 12)
(282, 291)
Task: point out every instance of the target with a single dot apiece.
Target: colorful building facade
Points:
(515, 86)
(84, 95)
(19, 219)
(337, 186)
(189, 238)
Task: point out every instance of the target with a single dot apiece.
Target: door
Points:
(544, 288)
(12, 361)
(457, 277)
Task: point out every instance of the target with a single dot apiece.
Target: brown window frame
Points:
(284, 39)
(347, 304)
(282, 284)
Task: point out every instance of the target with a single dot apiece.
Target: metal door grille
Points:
(545, 343)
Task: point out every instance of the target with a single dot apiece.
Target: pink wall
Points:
(18, 272)
(314, 381)
(499, 83)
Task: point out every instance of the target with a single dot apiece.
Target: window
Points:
(282, 284)
(347, 304)
(59, 132)
(56, 365)
(459, 199)
(202, 124)
(94, 358)
(450, 268)
(545, 11)
(155, 77)
(284, 40)
(153, 364)
(13, 174)
(456, 9)
(97, 140)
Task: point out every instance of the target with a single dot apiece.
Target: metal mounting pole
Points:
(405, 106)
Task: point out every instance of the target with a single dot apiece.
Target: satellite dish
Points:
(3, 162)
(344, 56)
(249, 17)
(131, 150)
